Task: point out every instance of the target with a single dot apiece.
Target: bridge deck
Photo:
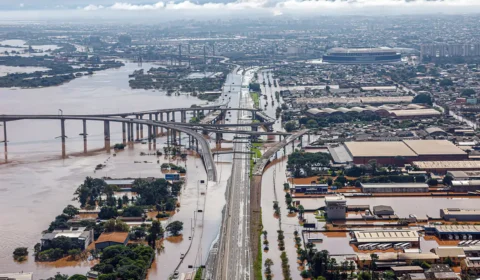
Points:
(265, 159)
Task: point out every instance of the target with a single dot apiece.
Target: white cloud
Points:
(278, 7)
(132, 7)
(92, 7)
(21, 5)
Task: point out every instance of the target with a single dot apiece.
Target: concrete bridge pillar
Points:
(161, 119)
(141, 128)
(150, 117)
(196, 145)
(218, 137)
(284, 147)
(173, 116)
(308, 137)
(84, 136)
(180, 139)
(301, 141)
(168, 116)
(195, 113)
(137, 129)
(62, 127)
(156, 127)
(5, 140)
(168, 137)
(149, 133)
(106, 133)
(129, 133)
(293, 145)
(155, 130)
(124, 133)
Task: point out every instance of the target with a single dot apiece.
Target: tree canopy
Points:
(156, 192)
(174, 228)
(423, 98)
(124, 262)
(307, 164)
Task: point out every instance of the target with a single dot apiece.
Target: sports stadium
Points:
(361, 56)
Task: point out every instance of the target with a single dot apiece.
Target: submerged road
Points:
(234, 259)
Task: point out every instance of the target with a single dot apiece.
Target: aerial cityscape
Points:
(152, 140)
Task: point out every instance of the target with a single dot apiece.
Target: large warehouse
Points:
(395, 188)
(458, 214)
(401, 152)
(436, 150)
(382, 152)
(454, 231)
(386, 236)
(442, 166)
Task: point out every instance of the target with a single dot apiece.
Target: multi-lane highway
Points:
(234, 256)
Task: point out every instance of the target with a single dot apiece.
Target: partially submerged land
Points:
(113, 220)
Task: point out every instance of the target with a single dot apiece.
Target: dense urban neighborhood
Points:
(325, 148)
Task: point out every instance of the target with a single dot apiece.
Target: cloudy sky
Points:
(144, 8)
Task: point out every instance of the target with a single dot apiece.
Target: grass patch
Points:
(256, 99)
(198, 274)
(257, 154)
(257, 265)
(320, 216)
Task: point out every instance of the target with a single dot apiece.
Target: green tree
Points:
(389, 275)
(116, 225)
(70, 211)
(58, 276)
(133, 211)
(468, 92)
(423, 98)
(312, 124)
(107, 213)
(119, 203)
(174, 228)
(448, 261)
(89, 191)
(78, 277)
(155, 231)
(74, 253)
(20, 253)
(447, 180)
(290, 126)
(301, 211)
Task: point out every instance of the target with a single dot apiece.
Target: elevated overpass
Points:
(201, 144)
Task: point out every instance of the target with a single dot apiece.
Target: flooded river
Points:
(36, 184)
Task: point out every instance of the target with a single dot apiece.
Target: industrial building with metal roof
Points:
(383, 236)
(390, 152)
(394, 187)
(440, 148)
(458, 214)
(379, 148)
(442, 166)
(465, 185)
(454, 231)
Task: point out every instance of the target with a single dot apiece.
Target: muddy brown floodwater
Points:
(272, 189)
(36, 185)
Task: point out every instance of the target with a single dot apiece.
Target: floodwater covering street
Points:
(37, 184)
